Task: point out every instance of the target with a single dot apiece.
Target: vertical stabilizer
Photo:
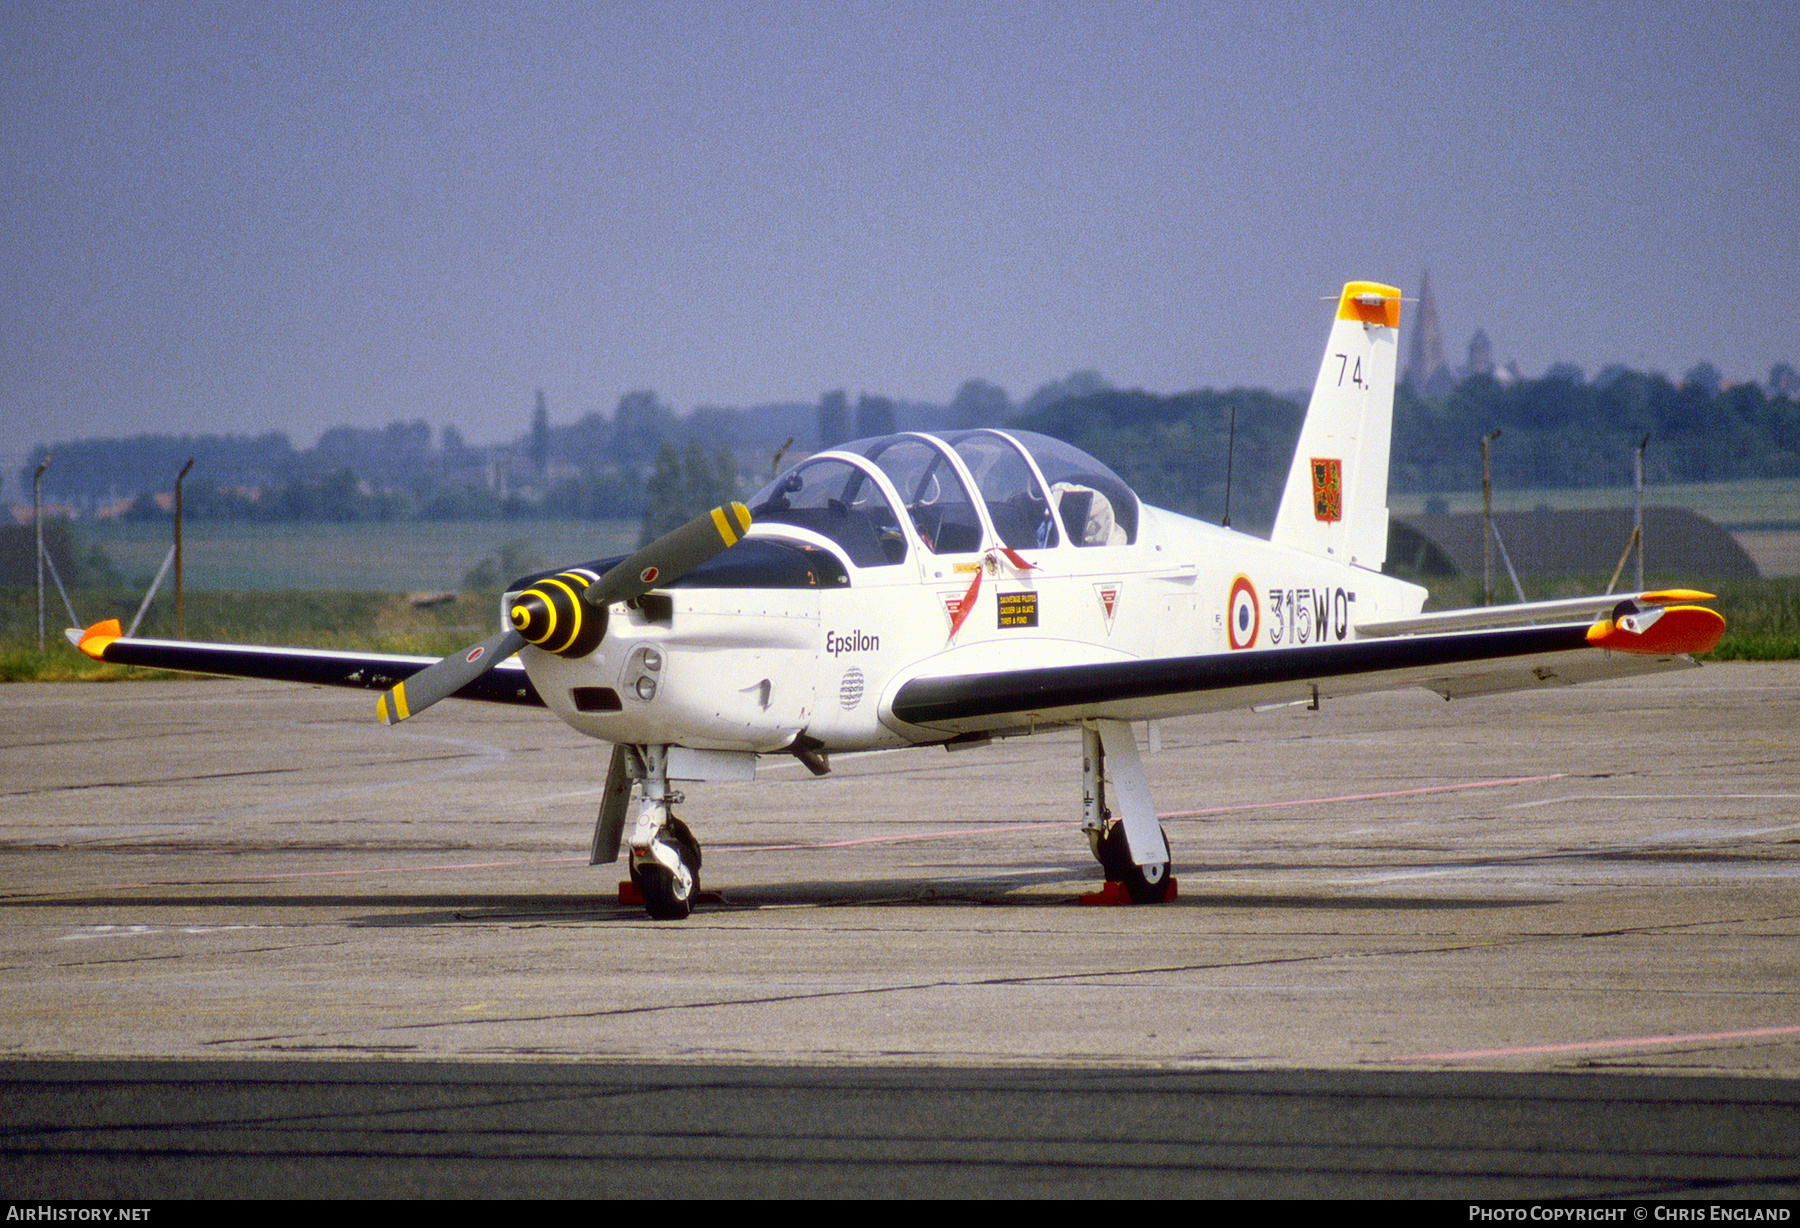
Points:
(1335, 502)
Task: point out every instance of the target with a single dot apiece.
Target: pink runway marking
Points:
(263, 878)
(923, 835)
(469, 865)
(1500, 783)
(1633, 1042)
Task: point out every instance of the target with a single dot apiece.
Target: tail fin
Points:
(1335, 503)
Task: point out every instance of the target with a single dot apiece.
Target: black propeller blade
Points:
(447, 677)
(544, 611)
(675, 553)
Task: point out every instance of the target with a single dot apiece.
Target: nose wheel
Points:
(667, 872)
(665, 857)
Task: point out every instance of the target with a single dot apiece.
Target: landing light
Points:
(645, 663)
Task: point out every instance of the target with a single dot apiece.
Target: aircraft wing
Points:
(1560, 610)
(371, 671)
(1635, 640)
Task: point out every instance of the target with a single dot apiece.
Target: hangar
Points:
(1575, 542)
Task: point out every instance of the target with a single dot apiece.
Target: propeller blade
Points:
(672, 555)
(447, 677)
(543, 612)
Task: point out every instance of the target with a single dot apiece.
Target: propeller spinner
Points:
(550, 613)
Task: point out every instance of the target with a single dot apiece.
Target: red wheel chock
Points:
(1113, 894)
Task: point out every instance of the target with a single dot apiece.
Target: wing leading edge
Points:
(372, 671)
(1453, 665)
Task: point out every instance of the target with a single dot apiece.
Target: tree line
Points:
(1558, 431)
(1205, 453)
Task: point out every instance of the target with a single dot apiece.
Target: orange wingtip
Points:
(1669, 596)
(1675, 628)
(1371, 302)
(94, 640)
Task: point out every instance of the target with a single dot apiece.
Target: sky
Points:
(244, 217)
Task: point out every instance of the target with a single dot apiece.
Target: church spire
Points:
(1426, 369)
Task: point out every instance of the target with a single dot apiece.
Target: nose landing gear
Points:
(665, 857)
(667, 871)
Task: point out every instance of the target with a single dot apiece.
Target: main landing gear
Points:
(1131, 847)
(665, 857)
(1117, 815)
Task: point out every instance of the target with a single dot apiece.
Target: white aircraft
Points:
(945, 589)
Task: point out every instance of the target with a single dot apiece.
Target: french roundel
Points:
(1243, 614)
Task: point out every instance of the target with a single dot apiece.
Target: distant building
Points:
(1576, 542)
(1481, 362)
(1428, 372)
(1481, 354)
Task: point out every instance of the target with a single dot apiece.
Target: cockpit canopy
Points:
(954, 493)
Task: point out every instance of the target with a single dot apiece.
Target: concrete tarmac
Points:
(1528, 893)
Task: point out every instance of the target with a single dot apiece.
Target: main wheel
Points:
(1144, 884)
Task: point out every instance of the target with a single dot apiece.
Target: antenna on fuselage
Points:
(1230, 447)
(775, 464)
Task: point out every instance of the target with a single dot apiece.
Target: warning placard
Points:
(1017, 609)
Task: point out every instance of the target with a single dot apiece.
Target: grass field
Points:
(376, 622)
(401, 557)
(1762, 620)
